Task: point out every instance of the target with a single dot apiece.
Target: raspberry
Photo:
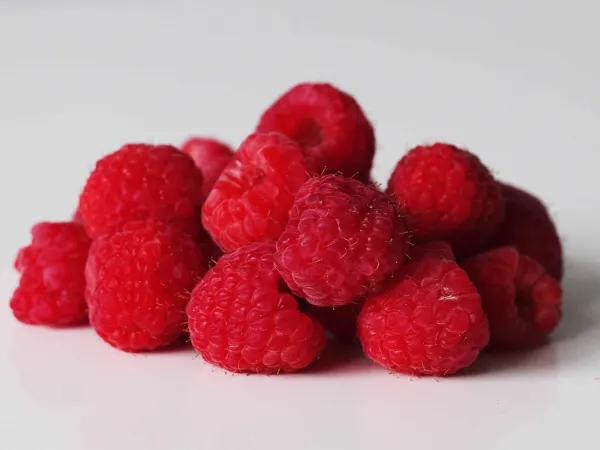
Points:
(140, 182)
(529, 227)
(522, 302)
(448, 195)
(328, 124)
(210, 156)
(343, 239)
(429, 320)
(139, 282)
(340, 320)
(52, 286)
(435, 249)
(250, 201)
(241, 317)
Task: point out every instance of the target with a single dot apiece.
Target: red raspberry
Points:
(52, 285)
(529, 227)
(140, 182)
(342, 240)
(435, 249)
(339, 320)
(139, 282)
(251, 200)
(448, 195)
(241, 317)
(210, 156)
(328, 124)
(429, 320)
(522, 302)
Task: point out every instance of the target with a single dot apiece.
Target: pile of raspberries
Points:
(262, 255)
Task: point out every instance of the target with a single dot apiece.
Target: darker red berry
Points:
(210, 156)
(449, 195)
(52, 286)
(342, 240)
(340, 321)
(328, 124)
(251, 200)
(139, 182)
(139, 282)
(522, 302)
(242, 318)
(428, 321)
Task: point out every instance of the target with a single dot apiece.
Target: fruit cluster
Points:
(261, 255)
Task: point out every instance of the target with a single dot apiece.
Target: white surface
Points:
(516, 82)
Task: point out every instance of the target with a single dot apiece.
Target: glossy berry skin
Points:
(342, 240)
(528, 226)
(251, 200)
(328, 124)
(242, 318)
(210, 156)
(429, 320)
(52, 285)
(139, 281)
(449, 195)
(522, 302)
(139, 182)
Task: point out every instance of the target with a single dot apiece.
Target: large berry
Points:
(528, 227)
(139, 182)
(342, 240)
(328, 124)
(522, 302)
(52, 285)
(139, 281)
(429, 320)
(210, 156)
(448, 194)
(242, 318)
(251, 200)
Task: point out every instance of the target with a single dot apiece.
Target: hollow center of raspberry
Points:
(308, 134)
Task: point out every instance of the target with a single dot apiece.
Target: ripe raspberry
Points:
(210, 156)
(139, 282)
(51, 288)
(250, 201)
(522, 302)
(140, 182)
(342, 240)
(448, 195)
(339, 320)
(328, 124)
(529, 227)
(429, 320)
(241, 317)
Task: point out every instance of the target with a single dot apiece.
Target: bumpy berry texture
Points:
(449, 195)
(139, 281)
(340, 321)
(51, 290)
(251, 200)
(522, 302)
(328, 124)
(210, 156)
(428, 321)
(242, 318)
(342, 240)
(139, 182)
(528, 226)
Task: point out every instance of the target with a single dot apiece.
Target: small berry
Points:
(342, 240)
(328, 124)
(528, 226)
(449, 195)
(251, 200)
(51, 290)
(210, 156)
(242, 318)
(522, 302)
(139, 281)
(139, 182)
(428, 321)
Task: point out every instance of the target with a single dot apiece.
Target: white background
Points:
(515, 81)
